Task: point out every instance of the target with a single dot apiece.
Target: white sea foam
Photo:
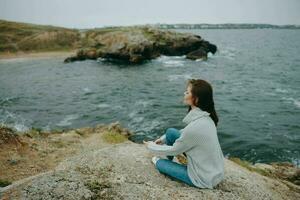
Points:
(228, 53)
(103, 105)
(67, 121)
(21, 127)
(209, 54)
(137, 119)
(142, 103)
(17, 126)
(134, 118)
(281, 90)
(294, 101)
(13, 120)
(132, 114)
(100, 59)
(171, 61)
(296, 161)
(86, 90)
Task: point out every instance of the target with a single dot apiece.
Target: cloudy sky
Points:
(99, 13)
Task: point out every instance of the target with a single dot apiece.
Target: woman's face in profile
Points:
(188, 98)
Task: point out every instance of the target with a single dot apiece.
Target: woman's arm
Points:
(182, 144)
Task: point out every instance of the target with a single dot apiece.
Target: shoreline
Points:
(35, 55)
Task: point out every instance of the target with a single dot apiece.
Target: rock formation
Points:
(106, 166)
(141, 43)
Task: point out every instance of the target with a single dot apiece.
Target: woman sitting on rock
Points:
(198, 141)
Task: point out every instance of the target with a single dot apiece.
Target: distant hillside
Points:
(16, 36)
(26, 37)
(225, 26)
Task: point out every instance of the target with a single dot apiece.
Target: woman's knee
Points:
(167, 167)
(161, 165)
(171, 133)
(157, 165)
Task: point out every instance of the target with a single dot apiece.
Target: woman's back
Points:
(199, 141)
(205, 159)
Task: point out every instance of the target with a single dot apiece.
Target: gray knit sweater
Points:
(199, 140)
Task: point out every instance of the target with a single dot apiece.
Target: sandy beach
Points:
(34, 55)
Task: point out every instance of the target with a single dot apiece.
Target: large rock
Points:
(125, 171)
(137, 44)
(197, 54)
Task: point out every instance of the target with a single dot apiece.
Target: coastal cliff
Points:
(102, 163)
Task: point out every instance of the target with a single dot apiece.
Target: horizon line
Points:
(157, 23)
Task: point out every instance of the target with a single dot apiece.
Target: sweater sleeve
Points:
(163, 138)
(182, 144)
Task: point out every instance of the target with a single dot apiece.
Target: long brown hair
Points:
(203, 91)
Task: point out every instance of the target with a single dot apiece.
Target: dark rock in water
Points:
(209, 47)
(137, 44)
(197, 54)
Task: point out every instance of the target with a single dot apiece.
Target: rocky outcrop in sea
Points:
(141, 43)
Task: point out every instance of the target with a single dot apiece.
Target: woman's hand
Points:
(158, 141)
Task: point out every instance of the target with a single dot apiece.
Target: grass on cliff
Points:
(15, 36)
(113, 137)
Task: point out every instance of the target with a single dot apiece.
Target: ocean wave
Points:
(143, 103)
(18, 127)
(103, 105)
(175, 77)
(296, 161)
(135, 119)
(291, 99)
(13, 120)
(21, 127)
(171, 61)
(8, 100)
(228, 53)
(142, 125)
(67, 120)
(281, 90)
(87, 91)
